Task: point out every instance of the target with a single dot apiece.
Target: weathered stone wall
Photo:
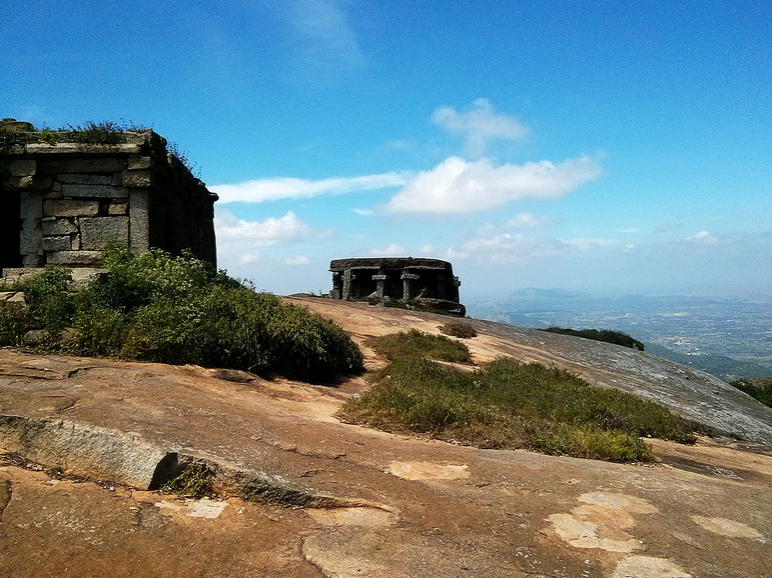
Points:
(62, 204)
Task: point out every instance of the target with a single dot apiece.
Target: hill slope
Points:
(374, 504)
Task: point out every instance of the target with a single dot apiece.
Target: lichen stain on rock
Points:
(728, 528)
(583, 534)
(427, 471)
(648, 567)
(366, 517)
(601, 521)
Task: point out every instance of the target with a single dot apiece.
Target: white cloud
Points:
(528, 221)
(479, 125)
(587, 244)
(703, 238)
(297, 261)
(460, 186)
(274, 189)
(392, 250)
(426, 250)
(272, 231)
(492, 244)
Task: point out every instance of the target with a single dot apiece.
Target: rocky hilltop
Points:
(86, 442)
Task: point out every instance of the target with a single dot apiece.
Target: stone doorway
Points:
(10, 229)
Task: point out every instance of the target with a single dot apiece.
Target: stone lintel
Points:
(71, 208)
(410, 276)
(81, 179)
(73, 257)
(380, 277)
(82, 148)
(94, 191)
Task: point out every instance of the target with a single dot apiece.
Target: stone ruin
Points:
(425, 283)
(63, 203)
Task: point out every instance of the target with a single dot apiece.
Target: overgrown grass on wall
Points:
(154, 307)
(506, 404)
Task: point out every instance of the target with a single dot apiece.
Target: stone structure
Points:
(62, 203)
(427, 282)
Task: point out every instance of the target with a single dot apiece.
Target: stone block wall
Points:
(61, 204)
(427, 282)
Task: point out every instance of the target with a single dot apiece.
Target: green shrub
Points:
(759, 389)
(606, 335)
(459, 329)
(154, 307)
(507, 404)
(14, 323)
(414, 343)
(48, 300)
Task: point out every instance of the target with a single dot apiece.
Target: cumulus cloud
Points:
(272, 231)
(392, 250)
(479, 125)
(703, 238)
(274, 189)
(460, 186)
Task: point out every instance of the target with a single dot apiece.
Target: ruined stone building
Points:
(426, 282)
(62, 202)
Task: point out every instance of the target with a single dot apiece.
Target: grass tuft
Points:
(417, 344)
(459, 329)
(508, 404)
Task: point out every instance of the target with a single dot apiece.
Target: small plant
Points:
(48, 136)
(195, 481)
(459, 329)
(107, 132)
(182, 156)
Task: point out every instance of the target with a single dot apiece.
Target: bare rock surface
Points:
(376, 504)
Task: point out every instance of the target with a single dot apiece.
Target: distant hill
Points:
(728, 338)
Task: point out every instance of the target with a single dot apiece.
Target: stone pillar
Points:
(380, 284)
(348, 278)
(31, 237)
(407, 285)
(337, 286)
(139, 220)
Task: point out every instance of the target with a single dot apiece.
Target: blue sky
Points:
(585, 145)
